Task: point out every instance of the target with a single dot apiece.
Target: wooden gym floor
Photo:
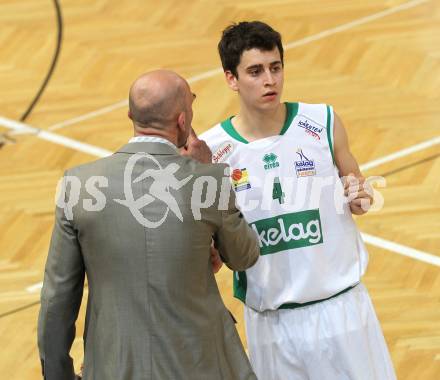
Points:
(377, 62)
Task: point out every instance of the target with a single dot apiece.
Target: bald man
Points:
(139, 224)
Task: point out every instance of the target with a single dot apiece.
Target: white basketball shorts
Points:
(336, 339)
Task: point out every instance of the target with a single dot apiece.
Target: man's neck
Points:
(152, 132)
(255, 124)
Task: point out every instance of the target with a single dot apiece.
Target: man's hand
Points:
(359, 194)
(78, 376)
(216, 261)
(196, 149)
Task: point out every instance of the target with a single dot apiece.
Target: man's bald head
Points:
(157, 98)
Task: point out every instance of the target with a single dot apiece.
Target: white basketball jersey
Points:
(289, 190)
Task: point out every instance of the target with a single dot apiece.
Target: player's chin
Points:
(268, 103)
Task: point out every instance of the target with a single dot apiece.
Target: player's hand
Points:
(359, 194)
(216, 260)
(196, 149)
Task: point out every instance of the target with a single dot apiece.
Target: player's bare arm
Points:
(356, 189)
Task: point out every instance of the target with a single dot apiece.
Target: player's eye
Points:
(254, 72)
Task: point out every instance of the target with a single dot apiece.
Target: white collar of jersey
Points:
(137, 139)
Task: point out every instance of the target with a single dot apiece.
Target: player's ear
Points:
(231, 80)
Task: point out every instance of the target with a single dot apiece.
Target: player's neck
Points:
(254, 124)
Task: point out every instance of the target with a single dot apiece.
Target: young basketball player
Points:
(307, 314)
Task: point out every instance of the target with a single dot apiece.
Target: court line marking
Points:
(35, 288)
(101, 152)
(400, 153)
(357, 22)
(400, 249)
(89, 115)
(55, 138)
(291, 45)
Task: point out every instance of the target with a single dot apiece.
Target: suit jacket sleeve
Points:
(236, 241)
(60, 298)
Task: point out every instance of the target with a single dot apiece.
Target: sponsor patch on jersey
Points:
(311, 128)
(270, 161)
(304, 167)
(223, 152)
(288, 231)
(240, 179)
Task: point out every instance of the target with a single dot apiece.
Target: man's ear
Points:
(130, 115)
(231, 80)
(181, 120)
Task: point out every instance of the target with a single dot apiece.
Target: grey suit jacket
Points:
(154, 310)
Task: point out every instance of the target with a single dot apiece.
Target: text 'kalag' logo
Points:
(288, 231)
(163, 180)
(304, 167)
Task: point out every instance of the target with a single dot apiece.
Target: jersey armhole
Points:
(330, 127)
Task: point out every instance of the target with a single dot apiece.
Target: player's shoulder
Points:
(320, 113)
(214, 135)
(305, 108)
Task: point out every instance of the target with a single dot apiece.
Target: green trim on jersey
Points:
(240, 285)
(297, 305)
(291, 112)
(330, 123)
(231, 131)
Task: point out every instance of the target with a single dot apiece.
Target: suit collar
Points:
(151, 138)
(148, 147)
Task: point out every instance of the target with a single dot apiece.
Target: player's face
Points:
(260, 78)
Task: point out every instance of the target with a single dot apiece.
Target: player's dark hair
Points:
(246, 35)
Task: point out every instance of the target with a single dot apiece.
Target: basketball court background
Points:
(377, 62)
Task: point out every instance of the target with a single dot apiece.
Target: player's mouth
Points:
(271, 95)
